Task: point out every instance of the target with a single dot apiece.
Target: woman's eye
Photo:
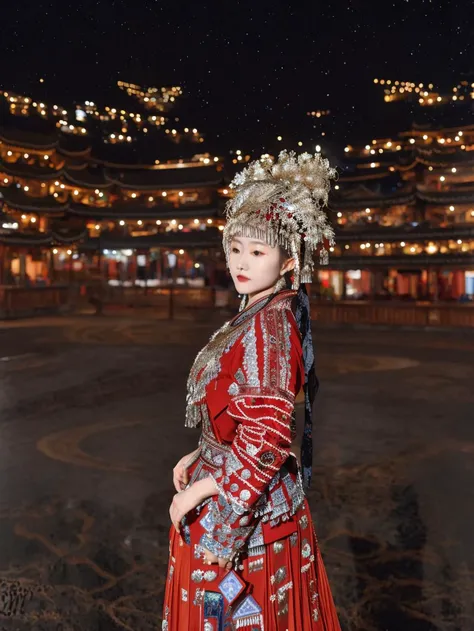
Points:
(235, 250)
(257, 252)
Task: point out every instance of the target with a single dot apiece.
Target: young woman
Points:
(243, 551)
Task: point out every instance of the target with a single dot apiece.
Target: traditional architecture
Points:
(134, 197)
(76, 202)
(404, 206)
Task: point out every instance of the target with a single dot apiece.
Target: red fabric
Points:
(254, 516)
(310, 591)
(258, 415)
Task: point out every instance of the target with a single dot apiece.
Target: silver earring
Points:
(280, 284)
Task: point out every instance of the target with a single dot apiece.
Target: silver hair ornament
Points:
(281, 202)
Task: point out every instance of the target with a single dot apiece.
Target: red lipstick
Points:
(242, 279)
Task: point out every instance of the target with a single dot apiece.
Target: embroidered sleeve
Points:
(262, 402)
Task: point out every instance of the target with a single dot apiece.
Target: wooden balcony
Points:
(24, 302)
(416, 314)
(208, 304)
(458, 260)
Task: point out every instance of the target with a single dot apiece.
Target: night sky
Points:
(250, 71)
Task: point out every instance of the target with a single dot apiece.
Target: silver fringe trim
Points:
(324, 257)
(267, 234)
(250, 620)
(193, 415)
(296, 254)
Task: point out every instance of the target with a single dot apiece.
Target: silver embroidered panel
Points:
(249, 341)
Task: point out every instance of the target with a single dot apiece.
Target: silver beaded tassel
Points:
(193, 415)
(241, 623)
(267, 234)
(324, 257)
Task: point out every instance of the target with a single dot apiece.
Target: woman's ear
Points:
(287, 266)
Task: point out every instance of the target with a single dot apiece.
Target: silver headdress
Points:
(281, 202)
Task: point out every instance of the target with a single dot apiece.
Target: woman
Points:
(243, 552)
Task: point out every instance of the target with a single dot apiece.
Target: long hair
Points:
(311, 383)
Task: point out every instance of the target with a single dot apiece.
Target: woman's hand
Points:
(185, 501)
(182, 503)
(180, 472)
(210, 559)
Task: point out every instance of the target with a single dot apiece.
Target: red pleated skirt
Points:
(285, 590)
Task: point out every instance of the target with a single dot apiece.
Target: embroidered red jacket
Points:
(247, 416)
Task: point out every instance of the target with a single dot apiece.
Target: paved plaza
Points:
(91, 425)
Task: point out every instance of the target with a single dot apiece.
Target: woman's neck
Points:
(260, 294)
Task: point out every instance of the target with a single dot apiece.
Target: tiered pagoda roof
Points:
(367, 198)
(387, 172)
(87, 177)
(444, 198)
(152, 179)
(16, 199)
(75, 146)
(118, 178)
(28, 171)
(457, 260)
(407, 196)
(211, 237)
(49, 238)
(141, 211)
(409, 232)
(28, 139)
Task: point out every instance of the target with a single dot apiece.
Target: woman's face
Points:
(255, 266)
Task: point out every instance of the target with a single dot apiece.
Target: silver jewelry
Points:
(243, 302)
(280, 284)
(281, 201)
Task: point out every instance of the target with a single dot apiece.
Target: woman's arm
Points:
(185, 501)
(268, 374)
(180, 472)
(202, 489)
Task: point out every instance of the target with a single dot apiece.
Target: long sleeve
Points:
(267, 376)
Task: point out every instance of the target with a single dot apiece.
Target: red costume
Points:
(242, 391)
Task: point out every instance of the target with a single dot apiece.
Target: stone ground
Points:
(91, 424)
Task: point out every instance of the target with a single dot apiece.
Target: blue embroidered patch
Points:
(231, 586)
(278, 497)
(186, 531)
(208, 522)
(214, 608)
(248, 607)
